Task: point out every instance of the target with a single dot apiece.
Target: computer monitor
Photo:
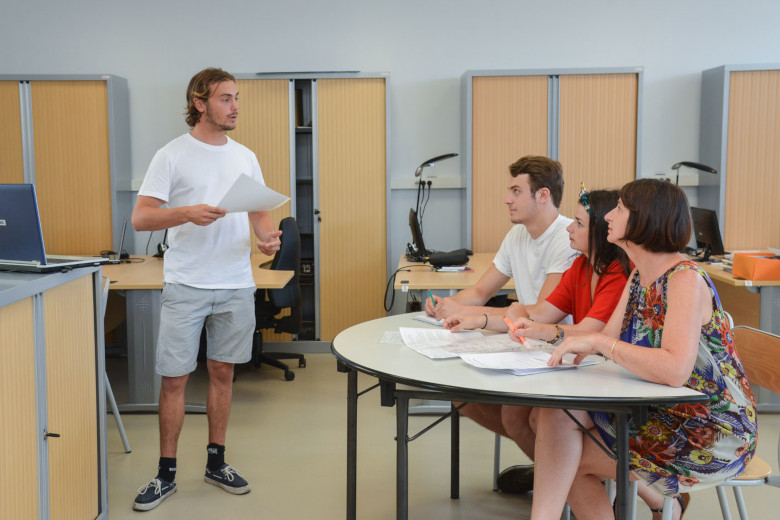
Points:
(417, 237)
(707, 232)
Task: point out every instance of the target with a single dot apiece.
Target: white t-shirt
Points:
(187, 172)
(529, 261)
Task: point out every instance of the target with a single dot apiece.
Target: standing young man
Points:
(207, 272)
(535, 253)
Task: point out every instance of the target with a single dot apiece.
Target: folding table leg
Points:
(402, 458)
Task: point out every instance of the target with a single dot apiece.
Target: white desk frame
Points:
(604, 387)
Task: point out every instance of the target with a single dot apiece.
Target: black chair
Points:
(269, 303)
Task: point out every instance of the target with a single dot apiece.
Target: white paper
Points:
(521, 362)
(246, 194)
(429, 342)
(496, 343)
(428, 319)
(392, 337)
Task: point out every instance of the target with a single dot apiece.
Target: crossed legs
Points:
(570, 467)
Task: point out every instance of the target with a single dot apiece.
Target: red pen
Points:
(514, 331)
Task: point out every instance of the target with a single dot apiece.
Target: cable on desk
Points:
(391, 282)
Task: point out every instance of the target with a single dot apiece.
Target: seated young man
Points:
(589, 291)
(535, 252)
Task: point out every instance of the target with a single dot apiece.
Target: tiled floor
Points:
(289, 440)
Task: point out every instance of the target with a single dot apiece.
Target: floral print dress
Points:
(688, 445)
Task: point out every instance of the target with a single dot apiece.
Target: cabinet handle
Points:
(46, 435)
(317, 212)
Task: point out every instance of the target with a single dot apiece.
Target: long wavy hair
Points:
(602, 253)
(201, 86)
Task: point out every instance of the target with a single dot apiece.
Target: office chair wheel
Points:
(289, 375)
(301, 363)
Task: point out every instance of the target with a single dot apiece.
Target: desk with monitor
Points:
(141, 279)
(417, 276)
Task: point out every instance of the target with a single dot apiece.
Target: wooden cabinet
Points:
(587, 120)
(68, 135)
(321, 139)
(740, 128)
(51, 366)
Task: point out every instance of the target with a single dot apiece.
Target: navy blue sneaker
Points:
(150, 495)
(228, 479)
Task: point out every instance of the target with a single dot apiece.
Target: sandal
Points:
(683, 499)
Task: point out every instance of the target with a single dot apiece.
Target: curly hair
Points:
(201, 86)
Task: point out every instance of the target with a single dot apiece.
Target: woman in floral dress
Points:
(668, 328)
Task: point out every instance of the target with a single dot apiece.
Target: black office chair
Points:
(269, 303)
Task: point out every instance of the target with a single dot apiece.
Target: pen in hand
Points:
(514, 331)
(432, 300)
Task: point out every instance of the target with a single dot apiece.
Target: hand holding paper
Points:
(246, 194)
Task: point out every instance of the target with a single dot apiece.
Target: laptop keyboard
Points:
(50, 261)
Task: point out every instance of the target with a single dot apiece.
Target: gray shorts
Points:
(229, 315)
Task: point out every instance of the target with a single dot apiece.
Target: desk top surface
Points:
(716, 272)
(359, 347)
(421, 276)
(146, 272)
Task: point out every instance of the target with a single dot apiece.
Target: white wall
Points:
(425, 45)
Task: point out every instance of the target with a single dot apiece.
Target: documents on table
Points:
(246, 194)
(521, 363)
(430, 320)
(431, 342)
(495, 351)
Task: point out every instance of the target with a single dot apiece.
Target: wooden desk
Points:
(753, 303)
(602, 387)
(142, 283)
(762, 310)
(421, 276)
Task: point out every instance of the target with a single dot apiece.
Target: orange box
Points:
(756, 266)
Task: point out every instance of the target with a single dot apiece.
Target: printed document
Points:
(428, 319)
(443, 344)
(521, 362)
(246, 194)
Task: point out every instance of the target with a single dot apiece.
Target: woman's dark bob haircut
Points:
(659, 218)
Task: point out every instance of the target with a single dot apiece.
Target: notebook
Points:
(21, 238)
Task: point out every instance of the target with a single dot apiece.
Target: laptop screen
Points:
(20, 225)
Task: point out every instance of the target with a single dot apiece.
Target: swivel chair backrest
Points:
(288, 258)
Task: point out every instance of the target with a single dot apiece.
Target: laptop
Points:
(21, 238)
(114, 257)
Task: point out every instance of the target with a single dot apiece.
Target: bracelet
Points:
(558, 336)
(612, 351)
(486, 320)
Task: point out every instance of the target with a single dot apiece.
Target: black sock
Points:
(216, 454)
(167, 469)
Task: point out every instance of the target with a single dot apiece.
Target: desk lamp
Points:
(418, 172)
(689, 164)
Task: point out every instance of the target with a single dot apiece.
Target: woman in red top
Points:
(589, 290)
